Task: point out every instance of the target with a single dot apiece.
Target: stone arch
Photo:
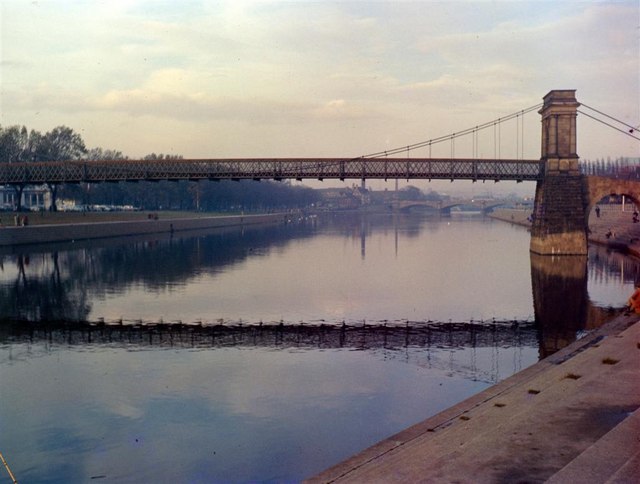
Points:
(599, 187)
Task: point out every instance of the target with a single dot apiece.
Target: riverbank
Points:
(61, 227)
(572, 417)
(624, 233)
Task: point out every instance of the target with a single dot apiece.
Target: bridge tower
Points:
(559, 226)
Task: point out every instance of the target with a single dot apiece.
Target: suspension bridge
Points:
(88, 171)
(562, 199)
(395, 163)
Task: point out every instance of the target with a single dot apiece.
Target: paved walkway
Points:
(570, 418)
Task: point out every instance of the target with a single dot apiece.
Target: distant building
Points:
(34, 197)
(344, 198)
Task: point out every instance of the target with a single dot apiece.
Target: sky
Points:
(215, 79)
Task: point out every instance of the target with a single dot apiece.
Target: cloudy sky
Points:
(300, 78)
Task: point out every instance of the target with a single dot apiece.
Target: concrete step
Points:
(628, 473)
(525, 429)
(615, 458)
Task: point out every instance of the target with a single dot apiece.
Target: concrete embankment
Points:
(572, 417)
(47, 233)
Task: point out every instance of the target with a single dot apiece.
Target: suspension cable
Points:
(611, 126)
(522, 143)
(610, 117)
(449, 137)
(499, 139)
(495, 146)
(517, 136)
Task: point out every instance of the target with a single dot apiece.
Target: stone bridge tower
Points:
(559, 213)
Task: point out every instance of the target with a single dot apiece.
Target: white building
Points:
(34, 197)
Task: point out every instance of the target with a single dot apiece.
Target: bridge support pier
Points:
(559, 226)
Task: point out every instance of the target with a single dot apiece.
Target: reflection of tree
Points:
(58, 285)
(40, 292)
(606, 265)
(58, 281)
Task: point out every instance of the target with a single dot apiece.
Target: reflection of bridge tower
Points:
(561, 301)
(559, 217)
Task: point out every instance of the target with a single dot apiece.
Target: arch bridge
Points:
(444, 206)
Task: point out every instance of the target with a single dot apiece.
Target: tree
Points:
(63, 144)
(410, 193)
(104, 193)
(17, 145)
(14, 144)
(433, 196)
(60, 144)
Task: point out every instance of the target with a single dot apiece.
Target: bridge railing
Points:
(269, 168)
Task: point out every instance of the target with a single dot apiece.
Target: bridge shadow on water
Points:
(430, 345)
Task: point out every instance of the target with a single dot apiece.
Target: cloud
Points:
(365, 71)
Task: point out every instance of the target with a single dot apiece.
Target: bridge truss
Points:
(269, 168)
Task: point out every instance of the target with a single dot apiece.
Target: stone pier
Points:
(559, 226)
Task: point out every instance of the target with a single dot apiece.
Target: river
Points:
(270, 353)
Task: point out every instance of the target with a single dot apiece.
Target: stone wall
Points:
(559, 224)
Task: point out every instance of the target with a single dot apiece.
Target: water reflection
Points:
(90, 280)
(428, 344)
(65, 282)
(57, 281)
(561, 299)
(159, 401)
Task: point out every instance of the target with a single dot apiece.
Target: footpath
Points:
(573, 417)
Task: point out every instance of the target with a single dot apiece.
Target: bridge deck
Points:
(270, 168)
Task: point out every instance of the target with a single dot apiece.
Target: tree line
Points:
(621, 167)
(18, 144)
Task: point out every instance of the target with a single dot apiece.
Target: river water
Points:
(270, 353)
